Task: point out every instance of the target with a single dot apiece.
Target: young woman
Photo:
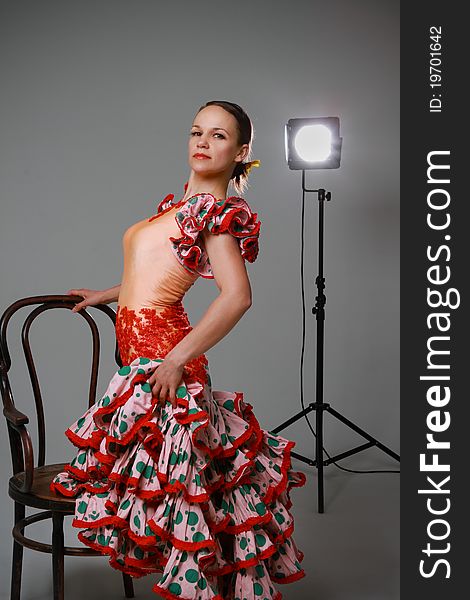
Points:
(172, 476)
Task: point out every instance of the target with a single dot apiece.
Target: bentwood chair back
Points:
(29, 484)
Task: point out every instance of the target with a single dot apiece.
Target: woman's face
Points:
(214, 134)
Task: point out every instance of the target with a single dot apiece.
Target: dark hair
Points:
(239, 176)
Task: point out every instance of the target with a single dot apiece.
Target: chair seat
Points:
(40, 495)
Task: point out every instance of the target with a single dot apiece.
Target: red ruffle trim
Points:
(138, 568)
(169, 596)
(231, 215)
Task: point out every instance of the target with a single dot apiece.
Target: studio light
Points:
(313, 143)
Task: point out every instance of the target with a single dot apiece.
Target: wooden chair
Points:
(29, 485)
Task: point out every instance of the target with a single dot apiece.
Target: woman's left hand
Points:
(165, 380)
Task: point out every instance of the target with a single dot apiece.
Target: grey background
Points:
(96, 104)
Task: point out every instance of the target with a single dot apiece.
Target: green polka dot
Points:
(125, 504)
(106, 400)
(122, 427)
(192, 518)
(229, 405)
(191, 575)
(173, 458)
(260, 508)
(81, 458)
(184, 556)
(137, 521)
(124, 370)
(202, 584)
(139, 553)
(198, 537)
(101, 540)
(82, 507)
(257, 589)
(175, 588)
(146, 387)
(260, 571)
(243, 543)
(143, 360)
(272, 442)
(80, 421)
(259, 466)
(260, 539)
(149, 472)
(174, 571)
(178, 518)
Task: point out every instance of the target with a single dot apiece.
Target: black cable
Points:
(303, 347)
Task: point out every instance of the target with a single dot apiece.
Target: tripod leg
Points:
(364, 434)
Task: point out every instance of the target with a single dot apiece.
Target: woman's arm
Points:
(226, 310)
(111, 294)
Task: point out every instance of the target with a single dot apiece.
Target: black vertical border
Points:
(422, 132)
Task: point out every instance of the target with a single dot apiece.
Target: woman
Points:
(172, 476)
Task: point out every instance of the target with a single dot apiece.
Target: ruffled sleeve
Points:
(164, 204)
(231, 215)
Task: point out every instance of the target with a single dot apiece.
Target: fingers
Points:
(163, 392)
(76, 292)
(167, 393)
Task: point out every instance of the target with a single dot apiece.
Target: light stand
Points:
(319, 406)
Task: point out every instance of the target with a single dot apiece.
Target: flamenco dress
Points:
(199, 492)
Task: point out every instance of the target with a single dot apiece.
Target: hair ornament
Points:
(251, 164)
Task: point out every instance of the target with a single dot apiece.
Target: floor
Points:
(351, 550)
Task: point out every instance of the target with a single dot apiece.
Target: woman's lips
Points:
(201, 156)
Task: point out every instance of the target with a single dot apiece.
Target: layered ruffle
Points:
(199, 492)
(232, 215)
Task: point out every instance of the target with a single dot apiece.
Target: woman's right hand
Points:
(90, 297)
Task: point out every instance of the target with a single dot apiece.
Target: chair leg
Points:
(17, 560)
(128, 585)
(58, 555)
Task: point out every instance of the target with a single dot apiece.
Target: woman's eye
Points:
(198, 133)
